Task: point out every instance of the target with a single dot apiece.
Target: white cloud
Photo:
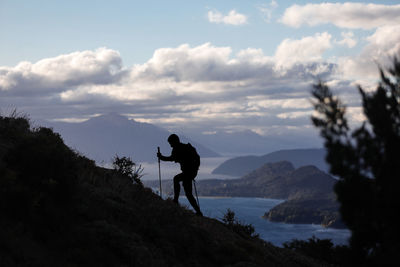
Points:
(102, 66)
(205, 63)
(232, 18)
(295, 114)
(259, 102)
(385, 41)
(268, 9)
(382, 46)
(344, 15)
(205, 85)
(348, 40)
(307, 49)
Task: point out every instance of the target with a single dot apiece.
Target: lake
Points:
(251, 210)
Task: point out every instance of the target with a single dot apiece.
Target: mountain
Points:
(59, 209)
(272, 180)
(102, 137)
(240, 166)
(242, 142)
(248, 142)
(322, 210)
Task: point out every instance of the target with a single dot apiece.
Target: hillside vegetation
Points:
(59, 209)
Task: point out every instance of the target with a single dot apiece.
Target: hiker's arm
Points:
(164, 158)
(173, 156)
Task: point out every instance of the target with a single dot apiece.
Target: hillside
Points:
(59, 209)
(101, 137)
(240, 166)
(322, 210)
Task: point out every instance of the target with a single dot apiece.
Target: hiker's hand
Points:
(159, 155)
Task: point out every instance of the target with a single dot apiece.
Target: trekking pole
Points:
(195, 190)
(159, 172)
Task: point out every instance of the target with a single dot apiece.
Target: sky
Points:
(200, 66)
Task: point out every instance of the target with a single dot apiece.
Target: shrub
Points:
(237, 226)
(125, 166)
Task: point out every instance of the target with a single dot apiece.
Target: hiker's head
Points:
(173, 140)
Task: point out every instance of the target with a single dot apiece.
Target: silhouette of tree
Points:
(367, 162)
(237, 226)
(127, 167)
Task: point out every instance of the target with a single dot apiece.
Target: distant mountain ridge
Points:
(102, 137)
(240, 166)
(249, 142)
(279, 180)
(322, 210)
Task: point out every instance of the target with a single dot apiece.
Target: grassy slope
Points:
(102, 219)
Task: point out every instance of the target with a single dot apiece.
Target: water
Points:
(250, 211)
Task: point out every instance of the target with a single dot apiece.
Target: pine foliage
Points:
(367, 161)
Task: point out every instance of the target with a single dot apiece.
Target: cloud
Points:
(348, 40)
(205, 86)
(233, 18)
(343, 15)
(204, 63)
(207, 63)
(382, 46)
(307, 49)
(295, 114)
(385, 41)
(53, 75)
(268, 9)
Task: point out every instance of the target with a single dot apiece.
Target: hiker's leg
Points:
(187, 185)
(177, 187)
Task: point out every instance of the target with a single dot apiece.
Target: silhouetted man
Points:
(187, 157)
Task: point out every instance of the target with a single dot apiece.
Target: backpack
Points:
(193, 158)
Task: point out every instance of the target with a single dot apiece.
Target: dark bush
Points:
(125, 166)
(237, 226)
